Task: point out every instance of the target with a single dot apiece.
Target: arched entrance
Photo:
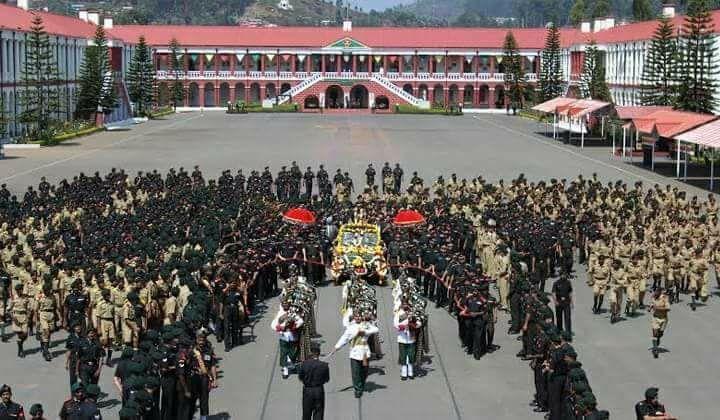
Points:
(334, 97)
(468, 94)
(311, 102)
(423, 92)
(382, 102)
(163, 94)
(194, 95)
(500, 96)
(209, 95)
(224, 94)
(359, 97)
(254, 96)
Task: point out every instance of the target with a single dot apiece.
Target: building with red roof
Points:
(69, 38)
(337, 67)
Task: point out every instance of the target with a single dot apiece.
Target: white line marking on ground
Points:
(91, 151)
(572, 152)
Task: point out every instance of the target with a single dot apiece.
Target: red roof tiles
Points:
(630, 112)
(14, 18)
(314, 37)
(642, 30)
(670, 123)
(706, 135)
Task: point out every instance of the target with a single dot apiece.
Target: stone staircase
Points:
(300, 87)
(399, 92)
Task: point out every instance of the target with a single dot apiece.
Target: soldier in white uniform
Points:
(286, 324)
(407, 327)
(357, 334)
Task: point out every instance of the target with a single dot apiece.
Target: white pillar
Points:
(613, 148)
(652, 158)
(554, 126)
(677, 162)
(712, 172)
(624, 141)
(582, 134)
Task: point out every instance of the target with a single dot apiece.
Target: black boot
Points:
(595, 304)
(46, 351)
(108, 360)
(21, 352)
(600, 302)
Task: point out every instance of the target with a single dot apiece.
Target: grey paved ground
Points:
(456, 387)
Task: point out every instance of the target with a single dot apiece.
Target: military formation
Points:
(148, 266)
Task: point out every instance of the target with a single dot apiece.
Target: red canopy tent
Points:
(406, 218)
(300, 216)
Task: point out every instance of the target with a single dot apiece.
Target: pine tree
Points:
(177, 91)
(551, 80)
(697, 88)
(40, 97)
(592, 83)
(141, 78)
(660, 71)
(601, 9)
(96, 79)
(642, 10)
(338, 12)
(578, 12)
(514, 74)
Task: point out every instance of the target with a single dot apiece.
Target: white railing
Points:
(395, 89)
(288, 75)
(316, 77)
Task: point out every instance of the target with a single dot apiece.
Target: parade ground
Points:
(454, 385)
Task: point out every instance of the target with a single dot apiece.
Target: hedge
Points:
(410, 109)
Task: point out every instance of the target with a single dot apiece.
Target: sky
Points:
(379, 4)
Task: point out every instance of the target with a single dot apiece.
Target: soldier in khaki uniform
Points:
(130, 323)
(618, 287)
(698, 278)
(660, 307)
(105, 314)
(599, 280)
(20, 309)
(118, 296)
(46, 317)
(170, 307)
(502, 275)
(658, 263)
(31, 290)
(674, 279)
(635, 275)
